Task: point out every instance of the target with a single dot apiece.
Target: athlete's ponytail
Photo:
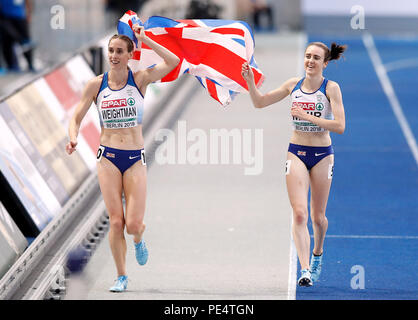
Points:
(334, 53)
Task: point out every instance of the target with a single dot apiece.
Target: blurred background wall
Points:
(86, 21)
(380, 16)
(83, 22)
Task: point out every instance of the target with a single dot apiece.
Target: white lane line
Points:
(291, 285)
(355, 236)
(401, 64)
(390, 93)
(293, 257)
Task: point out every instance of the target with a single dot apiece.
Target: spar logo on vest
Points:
(312, 108)
(118, 109)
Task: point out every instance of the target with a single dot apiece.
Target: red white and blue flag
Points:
(212, 50)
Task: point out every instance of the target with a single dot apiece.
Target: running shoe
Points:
(141, 252)
(315, 267)
(305, 278)
(120, 285)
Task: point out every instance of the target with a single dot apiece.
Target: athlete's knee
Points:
(135, 227)
(319, 219)
(117, 224)
(300, 215)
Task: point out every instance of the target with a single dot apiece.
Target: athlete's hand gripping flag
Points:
(211, 50)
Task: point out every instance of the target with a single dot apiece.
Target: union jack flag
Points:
(212, 50)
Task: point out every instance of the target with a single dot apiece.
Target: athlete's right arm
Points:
(89, 94)
(263, 100)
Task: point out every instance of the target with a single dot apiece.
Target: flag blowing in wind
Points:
(212, 50)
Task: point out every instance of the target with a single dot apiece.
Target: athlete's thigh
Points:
(321, 179)
(297, 181)
(135, 189)
(110, 181)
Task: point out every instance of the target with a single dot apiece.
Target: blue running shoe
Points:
(315, 267)
(120, 284)
(141, 252)
(305, 278)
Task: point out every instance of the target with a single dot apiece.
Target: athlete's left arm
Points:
(160, 70)
(335, 97)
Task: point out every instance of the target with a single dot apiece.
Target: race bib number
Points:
(143, 157)
(330, 171)
(287, 170)
(100, 153)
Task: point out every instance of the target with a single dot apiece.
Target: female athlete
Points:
(119, 97)
(317, 108)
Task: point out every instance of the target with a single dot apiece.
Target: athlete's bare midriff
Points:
(313, 139)
(123, 139)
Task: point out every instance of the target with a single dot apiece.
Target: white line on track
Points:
(293, 257)
(401, 64)
(355, 236)
(291, 286)
(390, 93)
